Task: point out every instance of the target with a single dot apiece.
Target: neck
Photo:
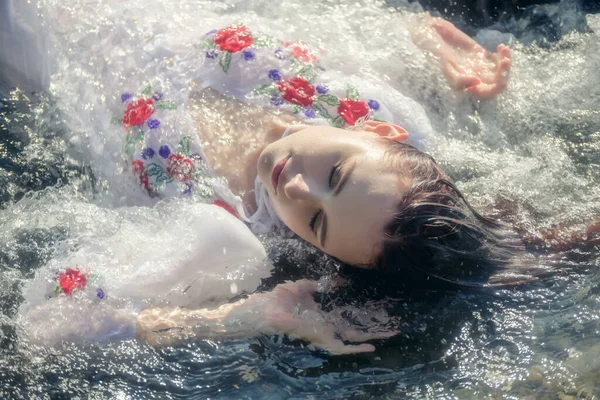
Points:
(233, 134)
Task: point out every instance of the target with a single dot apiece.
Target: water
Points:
(533, 151)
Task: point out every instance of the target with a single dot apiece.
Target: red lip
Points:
(277, 170)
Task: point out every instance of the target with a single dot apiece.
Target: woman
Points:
(349, 184)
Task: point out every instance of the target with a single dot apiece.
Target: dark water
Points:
(537, 341)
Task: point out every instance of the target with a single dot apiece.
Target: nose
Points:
(297, 189)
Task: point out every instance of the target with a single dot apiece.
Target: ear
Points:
(388, 131)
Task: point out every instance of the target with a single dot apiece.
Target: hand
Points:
(291, 309)
(465, 63)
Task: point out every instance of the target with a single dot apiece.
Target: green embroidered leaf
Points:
(338, 122)
(329, 99)
(352, 93)
(307, 72)
(159, 174)
(184, 146)
(322, 111)
(165, 105)
(265, 89)
(116, 120)
(296, 110)
(137, 137)
(147, 91)
(225, 60)
(263, 41)
(93, 278)
(57, 289)
(205, 45)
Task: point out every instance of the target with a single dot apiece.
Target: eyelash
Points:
(315, 217)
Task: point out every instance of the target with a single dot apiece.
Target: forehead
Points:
(359, 214)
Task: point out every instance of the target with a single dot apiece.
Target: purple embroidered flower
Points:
(280, 54)
(196, 157)
(188, 188)
(212, 32)
(275, 75)
(153, 123)
(373, 104)
(276, 101)
(322, 89)
(309, 113)
(248, 55)
(147, 153)
(157, 96)
(164, 151)
(126, 96)
(100, 293)
(212, 53)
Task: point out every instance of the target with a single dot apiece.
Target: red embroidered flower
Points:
(225, 206)
(352, 110)
(180, 167)
(71, 279)
(138, 111)
(140, 171)
(298, 91)
(300, 51)
(233, 38)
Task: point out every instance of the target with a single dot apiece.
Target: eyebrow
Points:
(336, 191)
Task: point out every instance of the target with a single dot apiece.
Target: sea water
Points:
(532, 151)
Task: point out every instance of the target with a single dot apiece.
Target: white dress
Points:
(134, 95)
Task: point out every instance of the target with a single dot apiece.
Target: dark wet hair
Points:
(437, 236)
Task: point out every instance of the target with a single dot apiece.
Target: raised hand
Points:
(466, 64)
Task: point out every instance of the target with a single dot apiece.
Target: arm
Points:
(466, 64)
(288, 309)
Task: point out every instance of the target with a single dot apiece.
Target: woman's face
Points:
(331, 187)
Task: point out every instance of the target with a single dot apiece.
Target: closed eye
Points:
(334, 175)
(313, 221)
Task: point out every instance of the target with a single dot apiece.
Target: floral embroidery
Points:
(140, 171)
(225, 42)
(373, 104)
(275, 75)
(138, 111)
(153, 123)
(353, 111)
(322, 89)
(180, 167)
(164, 151)
(147, 153)
(297, 90)
(300, 51)
(71, 280)
(233, 38)
(248, 55)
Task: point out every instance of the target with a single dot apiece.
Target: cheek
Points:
(295, 216)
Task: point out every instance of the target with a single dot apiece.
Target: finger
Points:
(457, 79)
(353, 335)
(504, 51)
(301, 286)
(349, 348)
(484, 91)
